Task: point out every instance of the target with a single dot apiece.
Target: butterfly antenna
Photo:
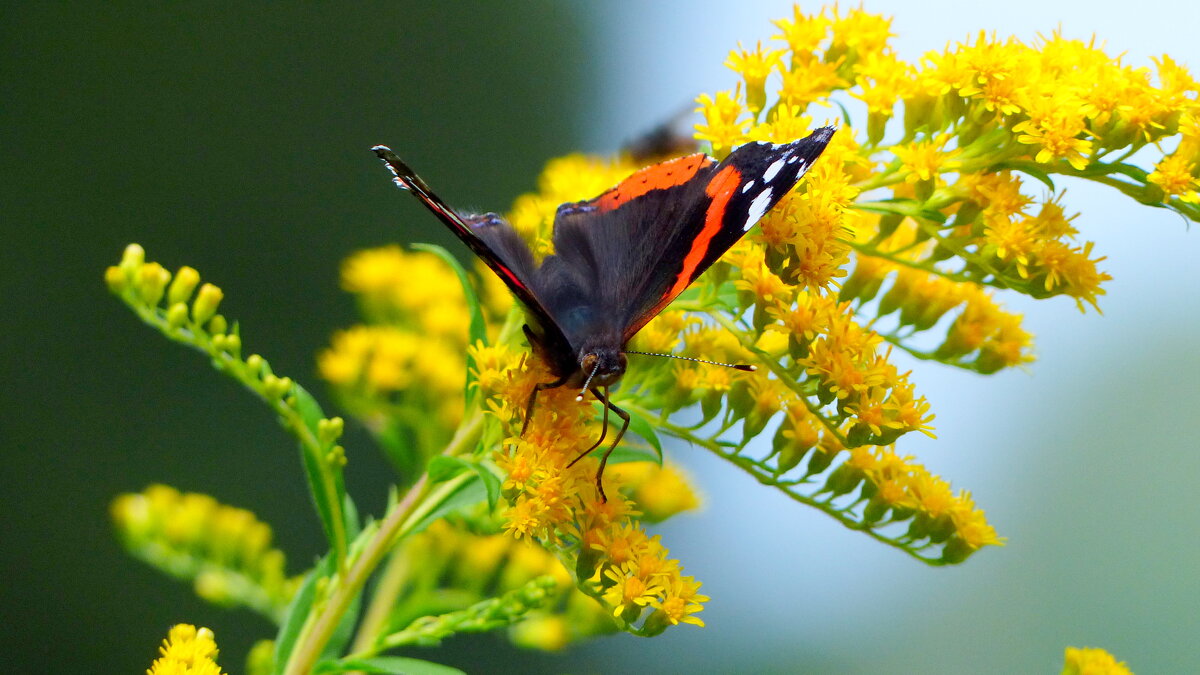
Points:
(736, 366)
(588, 381)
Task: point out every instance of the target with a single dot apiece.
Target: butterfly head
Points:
(602, 366)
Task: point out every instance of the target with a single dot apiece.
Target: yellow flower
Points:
(659, 491)
(926, 160)
(1092, 661)
(1175, 174)
(1056, 124)
(629, 592)
(754, 67)
(725, 123)
(681, 601)
(803, 34)
(187, 651)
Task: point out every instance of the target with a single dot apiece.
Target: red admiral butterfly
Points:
(620, 258)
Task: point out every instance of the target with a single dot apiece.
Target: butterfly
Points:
(620, 258)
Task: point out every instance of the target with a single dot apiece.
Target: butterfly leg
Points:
(608, 405)
(533, 399)
(603, 433)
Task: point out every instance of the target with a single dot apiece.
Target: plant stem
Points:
(420, 499)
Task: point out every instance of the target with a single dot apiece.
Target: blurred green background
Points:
(235, 140)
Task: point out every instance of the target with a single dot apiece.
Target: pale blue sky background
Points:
(1087, 461)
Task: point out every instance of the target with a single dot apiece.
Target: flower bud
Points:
(115, 278)
(177, 315)
(133, 258)
(205, 306)
(183, 285)
(329, 430)
(217, 325)
(152, 281)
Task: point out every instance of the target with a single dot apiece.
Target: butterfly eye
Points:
(588, 362)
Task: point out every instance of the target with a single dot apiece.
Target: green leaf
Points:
(297, 613)
(641, 426)
(477, 332)
(633, 453)
(330, 507)
(468, 493)
(387, 665)
(1027, 168)
(491, 483)
(310, 411)
(442, 468)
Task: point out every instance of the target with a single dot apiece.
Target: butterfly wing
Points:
(625, 255)
(494, 241)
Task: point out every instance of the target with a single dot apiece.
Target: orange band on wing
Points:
(720, 189)
(660, 176)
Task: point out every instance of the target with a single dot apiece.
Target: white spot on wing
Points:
(758, 207)
(773, 169)
(747, 186)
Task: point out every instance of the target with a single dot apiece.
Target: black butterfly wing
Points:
(495, 242)
(625, 255)
(606, 248)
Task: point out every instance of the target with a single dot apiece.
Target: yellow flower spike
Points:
(187, 651)
(1092, 661)
(225, 551)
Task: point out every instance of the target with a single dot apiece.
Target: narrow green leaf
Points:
(1028, 168)
(633, 453)
(297, 613)
(477, 331)
(442, 468)
(329, 506)
(467, 494)
(387, 665)
(491, 483)
(644, 428)
(310, 411)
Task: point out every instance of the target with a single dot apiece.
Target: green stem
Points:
(194, 336)
(780, 372)
(421, 499)
(767, 477)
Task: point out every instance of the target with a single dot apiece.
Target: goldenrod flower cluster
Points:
(187, 650)
(612, 556)
(224, 551)
(404, 366)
